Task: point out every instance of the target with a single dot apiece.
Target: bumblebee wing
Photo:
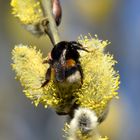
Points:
(81, 71)
(59, 72)
(60, 67)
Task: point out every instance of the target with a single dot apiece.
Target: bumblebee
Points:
(65, 67)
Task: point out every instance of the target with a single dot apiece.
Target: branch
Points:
(49, 23)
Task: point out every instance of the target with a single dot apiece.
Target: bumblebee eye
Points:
(58, 50)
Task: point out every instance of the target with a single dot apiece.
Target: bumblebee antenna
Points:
(78, 46)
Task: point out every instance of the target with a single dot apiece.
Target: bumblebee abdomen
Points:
(74, 78)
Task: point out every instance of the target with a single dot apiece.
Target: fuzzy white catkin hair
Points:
(85, 121)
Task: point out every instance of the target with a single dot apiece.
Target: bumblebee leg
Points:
(45, 61)
(81, 72)
(48, 77)
(61, 113)
(48, 60)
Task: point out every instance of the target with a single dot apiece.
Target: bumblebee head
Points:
(67, 50)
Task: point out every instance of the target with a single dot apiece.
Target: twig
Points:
(50, 26)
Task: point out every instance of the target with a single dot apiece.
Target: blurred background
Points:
(115, 20)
